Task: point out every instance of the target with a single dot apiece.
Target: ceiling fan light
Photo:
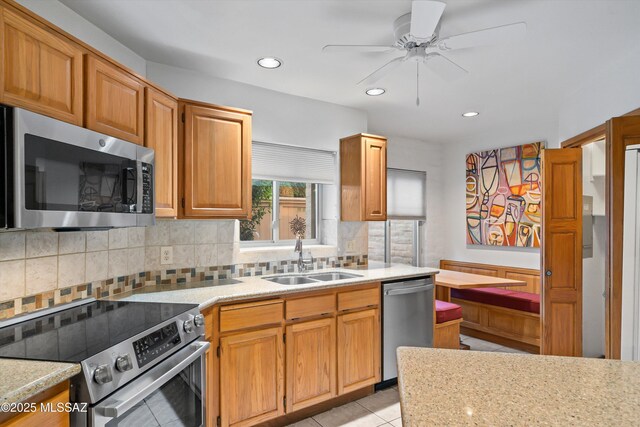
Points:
(375, 91)
(269, 62)
(470, 114)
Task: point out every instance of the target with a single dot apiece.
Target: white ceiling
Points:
(511, 86)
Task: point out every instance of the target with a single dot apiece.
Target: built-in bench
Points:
(446, 332)
(508, 316)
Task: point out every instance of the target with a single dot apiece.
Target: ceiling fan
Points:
(418, 35)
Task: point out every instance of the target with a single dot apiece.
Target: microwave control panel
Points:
(147, 188)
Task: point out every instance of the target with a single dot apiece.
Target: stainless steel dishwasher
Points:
(407, 319)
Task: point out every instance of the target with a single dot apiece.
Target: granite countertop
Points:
(208, 293)
(453, 387)
(22, 379)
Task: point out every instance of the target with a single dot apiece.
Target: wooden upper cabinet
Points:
(216, 162)
(161, 134)
(251, 377)
(114, 101)
(41, 70)
(363, 178)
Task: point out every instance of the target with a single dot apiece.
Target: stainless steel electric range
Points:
(143, 363)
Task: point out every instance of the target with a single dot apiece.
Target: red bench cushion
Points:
(523, 301)
(446, 311)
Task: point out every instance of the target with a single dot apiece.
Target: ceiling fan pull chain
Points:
(417, 84)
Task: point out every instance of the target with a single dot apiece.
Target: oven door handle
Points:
(114, 407)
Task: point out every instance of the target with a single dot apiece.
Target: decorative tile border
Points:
(114, 286)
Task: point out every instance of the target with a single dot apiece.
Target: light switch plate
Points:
(166, 255)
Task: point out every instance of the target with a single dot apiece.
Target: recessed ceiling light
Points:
(269, 62)
(375, 91)
(470, 114)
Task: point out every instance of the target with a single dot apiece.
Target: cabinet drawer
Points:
(250, 315)
(358, 299)
(310, 306)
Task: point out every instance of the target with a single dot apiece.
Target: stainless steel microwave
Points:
(57, 175)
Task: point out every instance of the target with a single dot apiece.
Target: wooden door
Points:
(620, 133)
(561, 271)
(161, 134)
(251, 377)
(358, 350)
(114, 101)
(41, 71)
(375, 179)
(217, 163)
(311, 362)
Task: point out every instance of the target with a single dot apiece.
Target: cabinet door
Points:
(217, 163)
(114, 101)
(161, 134)
(311, 363)
(375, 182)
(41, 71)
(358, 350)
(251, 377)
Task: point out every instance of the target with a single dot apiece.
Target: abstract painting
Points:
(503, 188)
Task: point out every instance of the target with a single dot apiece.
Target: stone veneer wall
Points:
(401, 241)
(39, 269)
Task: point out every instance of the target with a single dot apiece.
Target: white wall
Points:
(277, 117)
(607, 90)
(68, 20)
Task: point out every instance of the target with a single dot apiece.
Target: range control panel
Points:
(156, 343)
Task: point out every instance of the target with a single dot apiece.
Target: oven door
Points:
(70, 177)
(170, 394)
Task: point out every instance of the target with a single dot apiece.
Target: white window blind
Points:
(289, 163)
(406, 194)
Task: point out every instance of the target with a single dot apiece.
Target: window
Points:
(282, 201)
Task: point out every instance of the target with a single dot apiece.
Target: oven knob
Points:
(198, 320)
(188, 326)
(123, 363)
(102, 374)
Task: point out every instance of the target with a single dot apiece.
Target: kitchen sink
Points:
(290, 280)
(326, 277)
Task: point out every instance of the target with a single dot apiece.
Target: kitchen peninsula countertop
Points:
(22, 379)
(453, 387)
(208, 293)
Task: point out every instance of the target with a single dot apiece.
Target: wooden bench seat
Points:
(508, 316)
(446, 332)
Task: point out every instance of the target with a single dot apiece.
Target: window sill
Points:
(252, 254)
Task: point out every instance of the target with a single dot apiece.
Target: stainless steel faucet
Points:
(301, 265)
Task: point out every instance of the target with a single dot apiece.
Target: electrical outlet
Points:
(351, 246)
(166, 255)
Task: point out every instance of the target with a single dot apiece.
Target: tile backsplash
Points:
(42, 268)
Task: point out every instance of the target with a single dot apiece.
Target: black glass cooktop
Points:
(80, 332)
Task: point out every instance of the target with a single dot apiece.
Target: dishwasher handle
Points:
(409, 290)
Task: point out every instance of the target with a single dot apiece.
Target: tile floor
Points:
(383, 407)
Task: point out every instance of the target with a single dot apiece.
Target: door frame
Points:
(614, 183)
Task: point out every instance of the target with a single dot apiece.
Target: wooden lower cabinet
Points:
(283, 355)
(311, 363)
(251, 377)
(358, 350)
(58, 394)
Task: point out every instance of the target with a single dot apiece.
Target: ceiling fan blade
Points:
(382, 71)
(444, 67)
(495, 35)
(330, 48)
(425, 16)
